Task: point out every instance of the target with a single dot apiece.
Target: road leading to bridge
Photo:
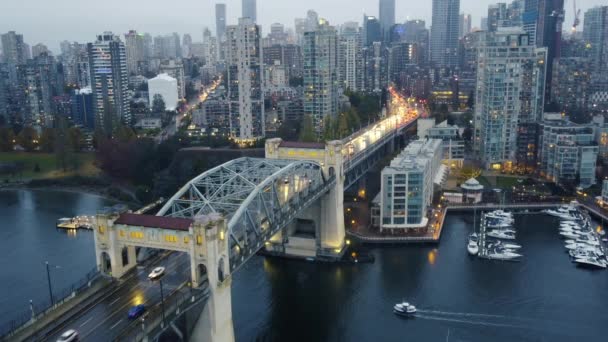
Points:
(108, 317)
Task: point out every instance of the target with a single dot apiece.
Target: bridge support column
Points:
(331, 226)
(215, 322)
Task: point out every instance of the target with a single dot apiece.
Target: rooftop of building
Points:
(416, 155)
(164, 77)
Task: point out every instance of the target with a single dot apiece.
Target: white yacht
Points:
(565, 212)
(498, 224)
(570, 235)
(499, 234)
(500, 214)
(503, 255)
(590, 262)
(507, 245)
(472, 247)
(404, 309)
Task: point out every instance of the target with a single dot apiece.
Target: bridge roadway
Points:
(107, 318)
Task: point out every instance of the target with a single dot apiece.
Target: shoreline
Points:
(71, 189)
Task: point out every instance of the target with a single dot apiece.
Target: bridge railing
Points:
(41, 308)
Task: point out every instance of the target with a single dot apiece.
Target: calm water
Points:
(28, 238)
(543, 298)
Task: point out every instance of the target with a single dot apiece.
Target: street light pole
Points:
(48, 276)
(162, 300)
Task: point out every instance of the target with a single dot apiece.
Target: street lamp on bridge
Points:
(48, 277)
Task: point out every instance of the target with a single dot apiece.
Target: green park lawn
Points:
(47, 164)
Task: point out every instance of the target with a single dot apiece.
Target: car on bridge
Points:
(136, 311)
(156, 273)
(68, 336)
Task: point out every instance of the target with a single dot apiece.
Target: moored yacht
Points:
(472, 247)
(500, 214)
(590, 262)
(502, 255)
(499, 234)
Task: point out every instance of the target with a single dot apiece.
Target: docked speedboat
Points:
(565, 212)
(500, 214)
(590, 262)
(404, 309)
(570, 235)
(499, 234)
(507, 245)
(472, 247)
(503, 255)
(498, 224)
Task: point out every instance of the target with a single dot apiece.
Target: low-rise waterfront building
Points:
(568, 151)
(407, 185)
(453, 145)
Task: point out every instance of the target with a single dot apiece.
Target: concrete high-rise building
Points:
(13, 48)
(109, 81)
(320, 52)
(250, 9)
(312, 20)
(245, 70)
(505, 15)
(220, 21)
(39, 49)
(186, 45)
(135, 50)
(387, 17)
(371, 30)
(444, 32)
(349, 59)
(175, 69)
(300, 27)
(542, 20)
(465, 25)
(375, 63)
(509, 97)
(595, 35)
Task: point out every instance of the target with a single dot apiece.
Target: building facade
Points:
(444, 32)
(407, 185)
(165, 86)
(134, 47)
(109, 80)
(387, 17)
(245, 80)
(568, 152)
(509, 96)
(250, 10)
(321, 74)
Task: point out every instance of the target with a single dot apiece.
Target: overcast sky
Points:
(50, 21)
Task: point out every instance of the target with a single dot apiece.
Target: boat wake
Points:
(472, 322)
(473, 315)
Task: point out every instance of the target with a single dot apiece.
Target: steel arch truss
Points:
(257, 196)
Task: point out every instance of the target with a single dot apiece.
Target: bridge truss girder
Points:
(257, 196)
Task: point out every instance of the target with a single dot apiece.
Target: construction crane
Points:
(577, 16)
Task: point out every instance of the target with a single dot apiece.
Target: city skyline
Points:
(194, 16)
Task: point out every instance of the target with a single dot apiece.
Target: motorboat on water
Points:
(500, 214)
(565, 212)
(570, 235)
(499, 234)
(507, 245)
(498, 224)
(404, 309)
(472, 247)
(503, 255)
(590, 262)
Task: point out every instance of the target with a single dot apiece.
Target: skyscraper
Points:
(510, 97)
(371, 30)
(444, 32)
(595, 34)
(13, 48)
(321, 74)
(220, 21)
(349, 59)
(134, 47)
(109, 81)
(542, 20)
(465, 25)
(245, 80)
(387, 17)
(250, 9)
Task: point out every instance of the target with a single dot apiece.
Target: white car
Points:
(68, 336)
(156, 273)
